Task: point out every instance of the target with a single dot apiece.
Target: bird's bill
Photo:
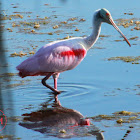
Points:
(115, 26)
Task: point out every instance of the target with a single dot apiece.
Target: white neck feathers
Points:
(90, 40)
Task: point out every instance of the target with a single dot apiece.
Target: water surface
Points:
(97, 86)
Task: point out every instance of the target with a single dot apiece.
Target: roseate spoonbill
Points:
(63, 55)
(56, 115)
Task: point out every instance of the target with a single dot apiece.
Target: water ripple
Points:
(36, 93)
(76, 89)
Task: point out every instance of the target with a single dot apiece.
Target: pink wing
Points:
(54, 57)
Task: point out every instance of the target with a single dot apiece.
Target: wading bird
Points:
(59, 56)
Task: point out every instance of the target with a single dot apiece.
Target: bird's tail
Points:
(29, 67)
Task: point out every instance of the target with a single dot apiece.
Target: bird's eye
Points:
(107, 14)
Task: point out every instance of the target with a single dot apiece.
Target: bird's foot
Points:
(57, 102)
(56, 92)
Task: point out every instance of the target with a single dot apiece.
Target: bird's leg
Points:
(55, 83)
(57, 102)
(48, 86)
(55, 77)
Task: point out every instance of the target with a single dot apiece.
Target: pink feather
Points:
(54, 57)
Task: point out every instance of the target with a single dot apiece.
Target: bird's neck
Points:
(90, 40)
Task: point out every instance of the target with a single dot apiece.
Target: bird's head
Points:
(106, 17)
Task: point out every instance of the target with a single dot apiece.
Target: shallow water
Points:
(97, 86)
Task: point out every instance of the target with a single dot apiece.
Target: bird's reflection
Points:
(55, 120)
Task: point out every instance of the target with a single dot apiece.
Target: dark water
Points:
(97, 86)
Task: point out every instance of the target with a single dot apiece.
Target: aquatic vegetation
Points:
(76, 29)
(99, 48)
(56, 26)
(120, 121)
(14, 118)
(4, 16)
(63, 22)
(125, 113)
(43, 21)
(17, 16)
(15, 25)
(33, 23)
(129, 13)
(137, 22)
(50, 33)
(18, 54)
(104, 35)
(36, 26)
(128, 23)
(31, 52)
(137, 28)
(8, 74)
(62, 131)
(6, 136)
(105, 117)
(8, 28)
(138, 86)
(72, 19)
(15, 85)
(119, 117)
(117, 40)
(38, 22)
(133, 38)
(133, 59)
(67, 37)
(27, 23)
(82, 20)
(32, 31)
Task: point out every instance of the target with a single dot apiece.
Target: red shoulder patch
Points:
(74, 52)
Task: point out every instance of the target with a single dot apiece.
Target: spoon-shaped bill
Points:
(115, 26)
